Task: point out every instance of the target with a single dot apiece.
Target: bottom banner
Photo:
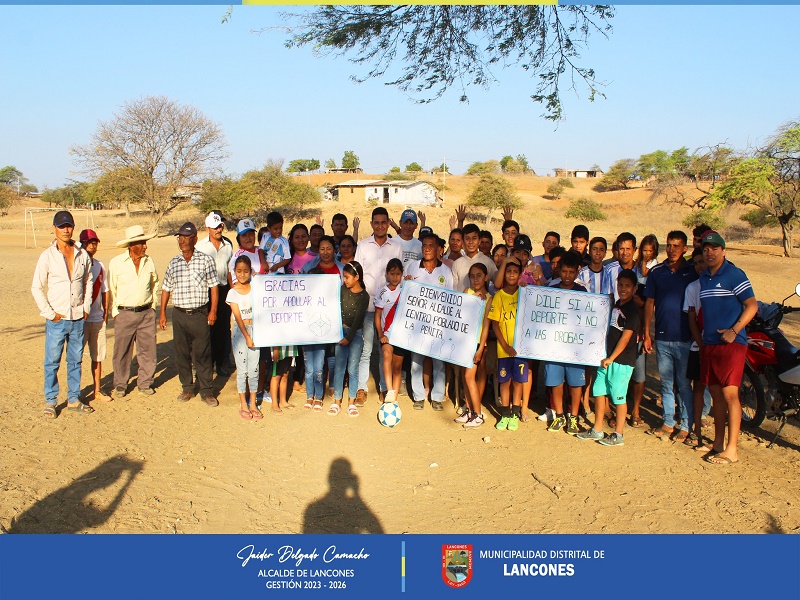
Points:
(224, 566)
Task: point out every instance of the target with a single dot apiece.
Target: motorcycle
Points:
(774, 359)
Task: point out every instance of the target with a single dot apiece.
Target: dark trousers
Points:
(192, 338)
(134, 328)
(221, 331)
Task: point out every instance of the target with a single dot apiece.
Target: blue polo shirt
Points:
(668, 289)
(722, 297)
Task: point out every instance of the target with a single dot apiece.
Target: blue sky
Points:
(676, 75)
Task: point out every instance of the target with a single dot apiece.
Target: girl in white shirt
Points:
(240, 299)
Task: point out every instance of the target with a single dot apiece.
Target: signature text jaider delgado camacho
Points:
(288, 553)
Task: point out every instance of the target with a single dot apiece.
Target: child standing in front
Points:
(245, 353)
(616, 369)
(355, 301)
(95, 324)
(385, 306)
(503, 315)
(475, 376)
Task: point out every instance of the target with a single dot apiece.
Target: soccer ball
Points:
(389, 414)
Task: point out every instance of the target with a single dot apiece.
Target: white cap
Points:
(213, 220)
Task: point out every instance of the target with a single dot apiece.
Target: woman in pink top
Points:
(298, 243)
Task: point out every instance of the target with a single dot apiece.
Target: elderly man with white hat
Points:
(220, 248)
(133, 286)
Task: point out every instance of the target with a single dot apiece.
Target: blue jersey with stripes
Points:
(722, 297)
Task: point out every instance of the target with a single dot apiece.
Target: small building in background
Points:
(577, 173)
(379, 191)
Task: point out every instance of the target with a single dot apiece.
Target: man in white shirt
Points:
(374, 253)
(412, 247)
(218, 247)
(61, 287)
(432, 271)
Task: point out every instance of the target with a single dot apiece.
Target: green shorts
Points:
(612, 382)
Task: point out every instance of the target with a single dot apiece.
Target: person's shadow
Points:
(341, 510)
(70, 509)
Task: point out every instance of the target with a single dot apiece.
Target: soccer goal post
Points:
(31, 222)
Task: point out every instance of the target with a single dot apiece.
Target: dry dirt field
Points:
(153, 465)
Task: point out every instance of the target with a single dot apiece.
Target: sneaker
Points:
(475, 420)
(503, 423)
(419, 404)
(267, 398)
(614, 439)
(591, 435)
(391, 396)
(557, 424)
(572, 425)
(259, 397)
(119, 392)
(547, 415)
(437, 406)
(463, 417)
(513, 423)
(148, 391)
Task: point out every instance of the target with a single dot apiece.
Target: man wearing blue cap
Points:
(412, 247)
(61, 283)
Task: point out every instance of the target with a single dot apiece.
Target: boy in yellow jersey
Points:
(503, 315)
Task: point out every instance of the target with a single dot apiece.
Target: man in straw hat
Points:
(133, 286)
(61, 285)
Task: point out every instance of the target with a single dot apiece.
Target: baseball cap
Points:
(87, 235)
(187, 229)
(244, 226)
(213, 220)
(425, 231)
(523, 242)
(63, 217)
(712, 237)
(408, 215)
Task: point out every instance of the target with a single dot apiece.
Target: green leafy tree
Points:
(618, 176)
(414, 167)
(770, 180)
(514, 167)
(74, 194)
(488, 167)
(303, 165)
(442, 168)
(394, 170)
(7, 198)
(165, 144)
(10, 176)
(556, 189)
(330, 164)
(438, 47)
(492, 192)
(350, 160)
(259, 190)
(504, 162)
(522, 159)
(656, 164)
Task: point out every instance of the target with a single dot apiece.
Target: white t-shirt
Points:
(243, 301)
(462, 266)
(384, 300)
(276, 250)
(441, 276)
(412, 249)
(255, 262)
(691, 299)
(643, 278)
(100, 285)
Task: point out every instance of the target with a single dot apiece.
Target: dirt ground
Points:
(147, 465)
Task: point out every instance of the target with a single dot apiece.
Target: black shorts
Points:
(693, 366)
(282, 366)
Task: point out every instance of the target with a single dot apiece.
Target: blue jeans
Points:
(315, 361)
(366, 353)
(348, 357)
(56, 334)
(672, 358)
(246, 360)
(437, 393)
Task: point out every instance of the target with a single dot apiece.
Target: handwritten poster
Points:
(437, 322)
(296, 310)
(561, 325)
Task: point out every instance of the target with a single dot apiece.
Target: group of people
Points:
(690, 309)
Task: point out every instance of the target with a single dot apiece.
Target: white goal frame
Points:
(29, 212)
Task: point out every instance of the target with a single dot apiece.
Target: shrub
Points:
(585, 209)
(758, 217)
(709, 216)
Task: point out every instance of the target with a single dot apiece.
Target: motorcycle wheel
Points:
(752, 398)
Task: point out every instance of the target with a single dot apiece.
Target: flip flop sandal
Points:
(680, 437)
(716, 459)
(256, 414)
(81, 409)
(660, 432)
(318, 406)
(637, 422)
(352, 410)
(691, 441)
(334, 409)
(50, 412)
(245, 414)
